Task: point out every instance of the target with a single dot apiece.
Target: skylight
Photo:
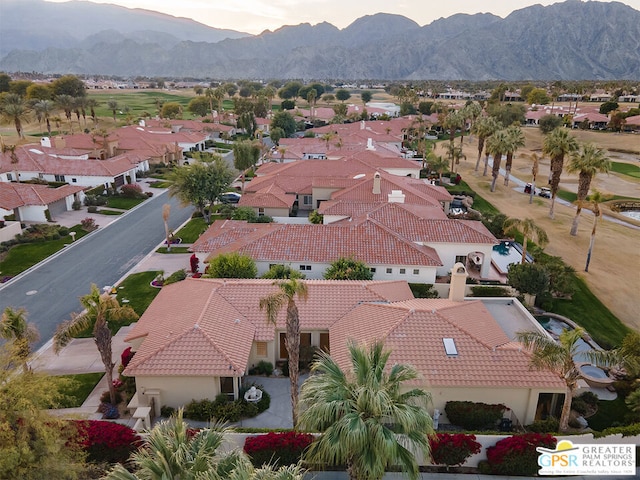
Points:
(450, 346)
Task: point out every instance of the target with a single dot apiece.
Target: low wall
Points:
(236, 440)
(10, 230)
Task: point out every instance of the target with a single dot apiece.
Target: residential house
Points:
(199, 337)
(595, 121)
(37, 203)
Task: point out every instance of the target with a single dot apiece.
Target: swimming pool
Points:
(555, 326)
(507, 253)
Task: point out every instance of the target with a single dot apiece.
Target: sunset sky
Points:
(255, 16)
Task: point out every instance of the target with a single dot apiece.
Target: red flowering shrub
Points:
(106, 441)
(516, 455)
(126, 356)
(283, 448)
(131, 191)
(453, 448)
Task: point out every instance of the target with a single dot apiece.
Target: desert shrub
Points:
(263, 368)
(579, 405)
(474, 415)
(263, 219)
(626, 431)
(200, 410)
(131, 191)
(517, 455)
(106, 441)
(423, 290)
(88, 224)
(489, 291)
(248, 409)
(265, 401)
(453, 448)
(283, 448)
(167, 411)
(76, 205)
(109, 411)
(228, 412)
(550, 425)
(589, 398)
(176, 276)
(92, 209)
(95, 200)
(106, 398)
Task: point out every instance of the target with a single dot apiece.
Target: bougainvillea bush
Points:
(106, 441)
(453, 449)
(283, 448)
(516, 455)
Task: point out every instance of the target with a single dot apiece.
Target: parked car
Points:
(230, 197)
(545, 192)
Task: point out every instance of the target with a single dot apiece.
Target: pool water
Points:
(593, 371)
(635, 214)
(555, 327)
(507, 253)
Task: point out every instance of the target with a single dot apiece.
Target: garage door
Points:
(57, 207)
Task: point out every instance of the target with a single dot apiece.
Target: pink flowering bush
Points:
(516, 455)
(453, 449)
(281, 448)
(106, 441)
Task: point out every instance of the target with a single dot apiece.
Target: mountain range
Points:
(572, 40)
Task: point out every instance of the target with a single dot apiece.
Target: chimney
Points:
(362, 125)
(376, 184)
(396, 196)
(370, 144)
(45, 142)
(142, 123)
(458, 283)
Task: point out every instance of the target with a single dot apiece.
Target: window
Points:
(403, 271)
(307, 200)
(226, 386)
(416, 271)
(372, 270)
(59, 178)
(260, 212)
(450, 346)
(461, 259)
(389, 270)
(305, 267)
(9, 177)
(261, 349)
(74, 180)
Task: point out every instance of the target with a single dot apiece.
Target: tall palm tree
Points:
(99, 310)
(272, 304)
(166, 211)
(14, 109)
(174, 451)
(15, 328)
(437, 164)
(92, 104)
(454, 152)
(44, 108)
(588, 161)
(594, 201)
(450, 122)
(497, 145)
(516, 140)
(484, 127)
(113, 106)
(529, 230)
(66, 103)
(219, 94)
(368, 421)
(208, 93)
(547, 354)
(535, 167)
(471, 112)
(557, 144)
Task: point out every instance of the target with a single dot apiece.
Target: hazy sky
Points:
(255, 16)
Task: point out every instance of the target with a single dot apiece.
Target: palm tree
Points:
(14, 109)
(368, 421)
(219, 94)
(66, 103)
(113, 106)
(92, 104)
(529, 230)
(594, 201)
(15, 328)
(547, 354)
(99, 310)
(175, 452)
(272, 304)
(557, 144)
(497, 144)
(484, 128)
(44, 109)
(516, 140)
(437, 164)
(535, 166)
(208, 93)
(588, 161)
(166, 211)
(454, 152)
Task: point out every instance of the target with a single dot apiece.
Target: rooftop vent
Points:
(450, 347)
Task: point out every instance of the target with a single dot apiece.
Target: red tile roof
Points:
(14, 195)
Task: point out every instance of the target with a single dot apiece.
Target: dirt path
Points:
(614, 272)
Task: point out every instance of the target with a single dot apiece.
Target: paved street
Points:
(50, 291)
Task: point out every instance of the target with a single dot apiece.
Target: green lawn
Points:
(572, 197)
(160, 184)
(609, 413)
(102, 211)
(140, 103)
(78, 389)
(123, 203)
(628, 169)
(173, 250)
(586, 310)
(21, 257)
(192, 230)
(137, 289)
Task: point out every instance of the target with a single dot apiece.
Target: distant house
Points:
(595, 121)
(199, 337)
